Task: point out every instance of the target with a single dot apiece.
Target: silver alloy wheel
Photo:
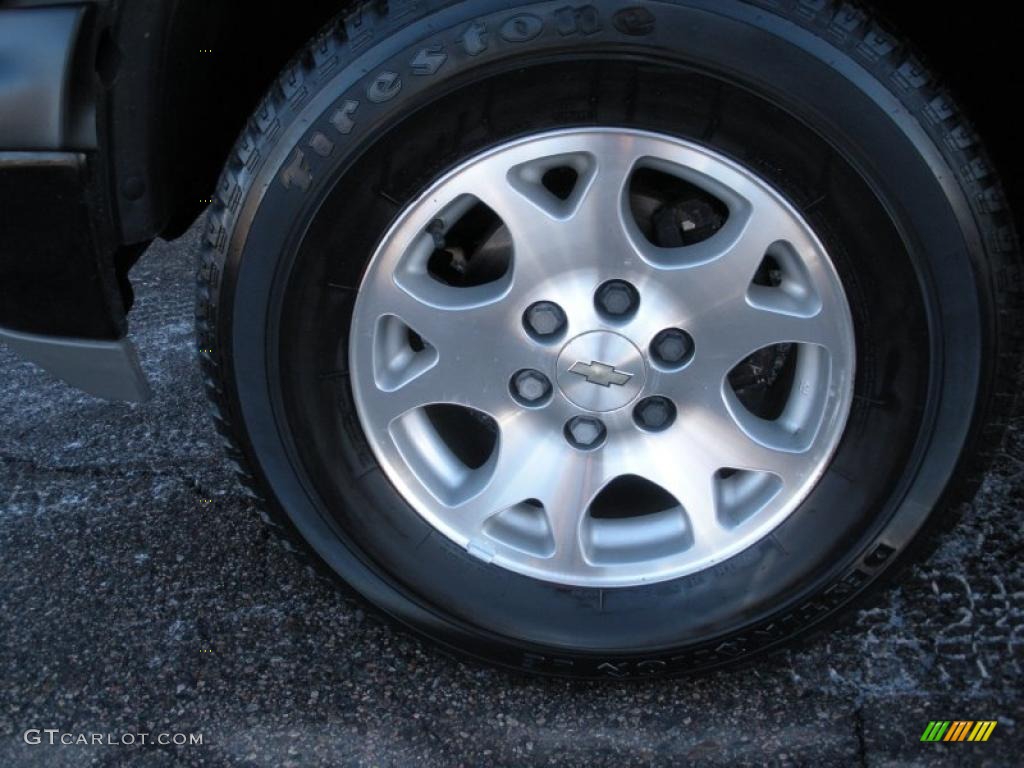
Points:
(424, 347)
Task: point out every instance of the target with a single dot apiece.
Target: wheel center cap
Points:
(601, 371)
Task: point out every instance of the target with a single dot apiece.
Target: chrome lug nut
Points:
(544, 319)
(530, 387)
(654, 413)
(672, 347)
(584, 432)
(617, 299)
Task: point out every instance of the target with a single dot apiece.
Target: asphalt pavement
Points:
(139, 593)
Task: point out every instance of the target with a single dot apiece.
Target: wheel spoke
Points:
(733, 331)
(603, 210)
(682, 469)
(430, 387)
(522, 472)
(567, 502)
(553, 236)
(718, 265)
(709, 434)
(474, 357)
(518, 474)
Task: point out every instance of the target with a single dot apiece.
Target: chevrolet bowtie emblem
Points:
(600, 373)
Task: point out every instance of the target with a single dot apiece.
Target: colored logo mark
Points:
(958, 730)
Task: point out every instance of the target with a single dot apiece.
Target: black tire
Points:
(834, 111)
